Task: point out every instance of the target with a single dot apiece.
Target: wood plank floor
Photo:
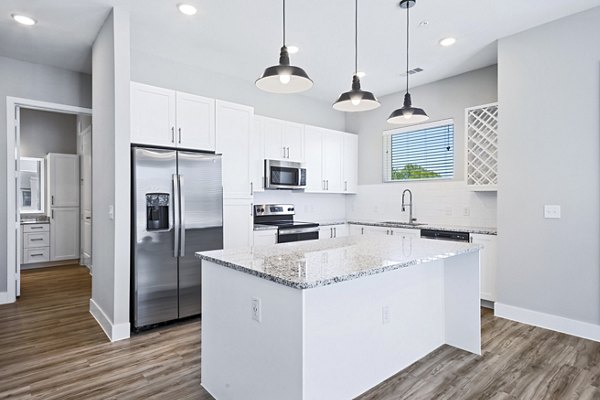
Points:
(51, 348)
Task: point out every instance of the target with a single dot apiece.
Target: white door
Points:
(152, 115)
(17, 217)
(313, 159)
(63, 180)
(234, 125)
(64, 233)
(195, 122)
(273, 131)
(237, 223)
(333, 146)
(86, 196)
(350, 163)
(293, 140)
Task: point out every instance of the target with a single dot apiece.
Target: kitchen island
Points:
(330, 319)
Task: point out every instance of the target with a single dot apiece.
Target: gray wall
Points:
(443, 99)
(44, 132)
(157, 71)
(36, 82)
(549, 154)
(110, 172)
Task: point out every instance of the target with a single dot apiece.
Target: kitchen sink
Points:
(403, 224)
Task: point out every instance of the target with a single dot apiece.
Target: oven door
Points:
(297, 234)
(284, 175)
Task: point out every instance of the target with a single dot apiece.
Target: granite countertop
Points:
(453, 228)
(315, 263)
(260, 227)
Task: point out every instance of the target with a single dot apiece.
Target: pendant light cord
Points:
(284, 23)
(407, 43)
(355, 37)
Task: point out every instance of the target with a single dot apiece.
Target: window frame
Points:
(386, 146)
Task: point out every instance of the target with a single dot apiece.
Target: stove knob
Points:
(290, 209)
(262, 210)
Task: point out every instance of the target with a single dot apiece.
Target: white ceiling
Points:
(240, 37)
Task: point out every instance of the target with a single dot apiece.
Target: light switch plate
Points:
(552, 211)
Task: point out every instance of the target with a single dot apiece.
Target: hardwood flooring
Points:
(52, 348)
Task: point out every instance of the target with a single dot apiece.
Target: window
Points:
(424, 151)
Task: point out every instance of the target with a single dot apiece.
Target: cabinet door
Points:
(237, 223)
(341, 230)
(405, 233)
(64, 234)
(333, 145)
(265, 238)
(350, 163)
(234, 126)
(273, 131)
(314, 160)
(257, 156)
(487, 260)
(152, 115)
(293, 140)
(63, 180)
(195, 122)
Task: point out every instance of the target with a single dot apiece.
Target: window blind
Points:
(425, 151)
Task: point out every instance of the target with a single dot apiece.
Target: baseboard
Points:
(49, 264)
(4, 298)
(548, 321)
(113, 332)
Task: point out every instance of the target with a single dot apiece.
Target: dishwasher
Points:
(440, 234)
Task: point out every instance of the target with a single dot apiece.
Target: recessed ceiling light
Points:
(23, 19)
(449, 41)
(187, 9)
(293, 49)
(361, 74)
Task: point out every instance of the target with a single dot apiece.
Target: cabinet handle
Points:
(335, 232)
(327, 184)
(323, 185)
(251, 188)
(52, 214)
(172, 134)
(283, 151)
(179, 135)
(330, 233)
(36, 227)
(52, 199)
(362, 231)
(251, 209)
(288, 152)
(392, 232)
(36, 255)
(36, 240)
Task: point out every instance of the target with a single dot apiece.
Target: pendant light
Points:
(284, 78)
(356, 99)
(407, 114)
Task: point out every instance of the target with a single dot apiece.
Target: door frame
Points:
(13, 228)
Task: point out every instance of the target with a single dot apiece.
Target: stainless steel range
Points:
(282, 216)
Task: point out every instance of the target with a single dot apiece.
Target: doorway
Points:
(59, 197)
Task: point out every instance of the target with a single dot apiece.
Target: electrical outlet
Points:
(467, 212)
(256, 311)
(552, 212)
(385, 315)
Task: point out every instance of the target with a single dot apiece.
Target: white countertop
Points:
(314, 263)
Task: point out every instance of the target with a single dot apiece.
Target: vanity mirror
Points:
(31, 190)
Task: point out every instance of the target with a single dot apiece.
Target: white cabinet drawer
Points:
(31, 240)
(36, 255)
(36, 228)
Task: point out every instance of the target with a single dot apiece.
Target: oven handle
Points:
(283, 232)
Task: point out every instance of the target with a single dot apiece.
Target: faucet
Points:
(404, 205)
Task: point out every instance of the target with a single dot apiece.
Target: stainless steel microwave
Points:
(284, 175)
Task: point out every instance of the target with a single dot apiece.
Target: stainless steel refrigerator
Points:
(177, 209)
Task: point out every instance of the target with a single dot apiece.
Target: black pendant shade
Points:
(407, 114)
(356, 99)
(284, 78)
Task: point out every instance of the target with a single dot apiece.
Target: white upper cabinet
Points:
(283, 140)
(63, 180)
(195, 122)
(152, 115)
(350, 163)
(314, 159)
(235, 123)
(163, 117)
(257, 156)
(333, 148)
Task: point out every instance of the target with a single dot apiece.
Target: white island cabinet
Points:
(331, 319)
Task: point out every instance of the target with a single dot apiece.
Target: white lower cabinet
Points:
(35, 243)
(265, 237)
(384, 231)
(487, 262)
(64, 233)
(333, 231)
(238, 224)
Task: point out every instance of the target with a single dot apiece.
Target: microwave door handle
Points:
(175, 203)
(182, 218)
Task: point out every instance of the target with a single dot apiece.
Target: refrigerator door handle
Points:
(182, 218)
(176, 215)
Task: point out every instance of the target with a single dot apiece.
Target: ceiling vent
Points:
(412, 71)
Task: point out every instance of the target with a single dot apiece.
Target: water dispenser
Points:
(157, 211)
